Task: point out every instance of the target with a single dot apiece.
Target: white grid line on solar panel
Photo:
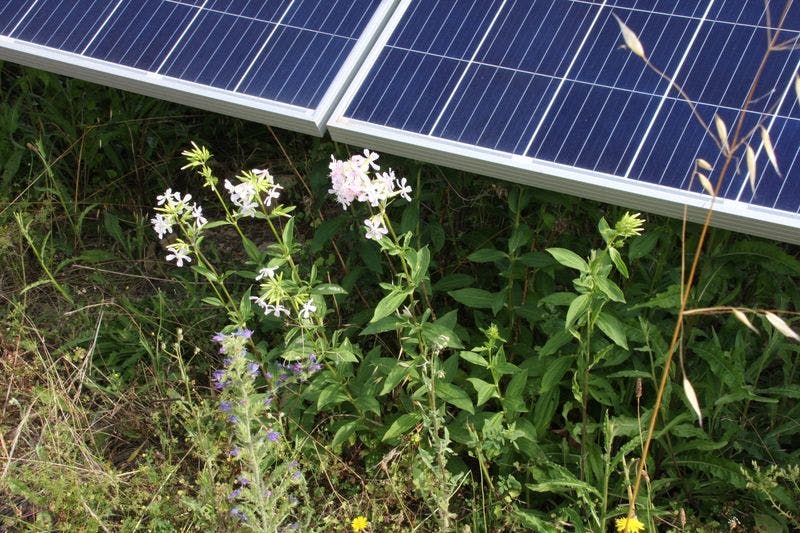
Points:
(27, 12)
(469, 63)
(418, 35)
(661, 102)
(579, 114)
(527, 86)
(304, 54)
(181, 36)
(430, 78)
(263, 47)
(532, 40)
(257, 19)
(318, 55)
(550, 76)
(640, 10)
(101, 28)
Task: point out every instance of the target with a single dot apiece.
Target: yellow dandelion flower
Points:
(359, 523)
(629, 525)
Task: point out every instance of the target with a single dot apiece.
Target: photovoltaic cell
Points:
(288, 59)
(543, 92)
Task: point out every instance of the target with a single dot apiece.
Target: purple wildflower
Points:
(268, 401)
(273, 436)
(296, 367)
(243, 481)
(244, 333)
(252, 369)
(219, 337)
(234, 452)
(235, 494)
(225, 406)
(238, 514)
(219, 379)
(233, 419)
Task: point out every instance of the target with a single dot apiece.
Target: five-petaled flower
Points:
(375, 228)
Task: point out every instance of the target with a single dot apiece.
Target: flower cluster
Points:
(173, 209)
(273, 293)
(351, 181)
(256, 188)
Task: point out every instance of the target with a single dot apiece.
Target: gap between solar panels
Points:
(280, 62)
(540, 92)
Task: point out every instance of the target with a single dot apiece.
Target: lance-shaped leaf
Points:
(767, 142)
(631, 40)
(692, 398)
(779, 324)
(751, 167)
(722, 133)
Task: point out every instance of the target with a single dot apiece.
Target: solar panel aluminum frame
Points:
(658, 199)
(278, 114)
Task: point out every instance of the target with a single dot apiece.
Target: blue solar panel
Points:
(542, 92)
(290, 59)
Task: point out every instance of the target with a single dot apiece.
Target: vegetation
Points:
(484, 357)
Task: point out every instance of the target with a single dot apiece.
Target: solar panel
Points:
(541, 92)
(282, 62)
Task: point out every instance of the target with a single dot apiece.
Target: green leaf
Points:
(395, 376)
(610, 289)
(577, 308)
(485, 390)
(535, 259)
(251, 249)
(522, 235)
(555, 371)
(474, 358)
(455, 396)
(487, 255)
(206, 273)
(389, 304)
(331, 395)
(513, 399)
(216, 224)
(328, 288)
(368, 404)
(420, 267)
(555, 342)
(344, 432)
(453, 281)
(400, 426)
(613, 329)
(213, 301)
(557, 299)
(616, 258)
(440, 337)
(324, 233)
(288, 233)
(387, 323)
(568, 258)
(475, 298)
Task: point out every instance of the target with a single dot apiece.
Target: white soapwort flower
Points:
(162, 224)
(266, 272)
(307, 309)
(178, 252)
(375, 228)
